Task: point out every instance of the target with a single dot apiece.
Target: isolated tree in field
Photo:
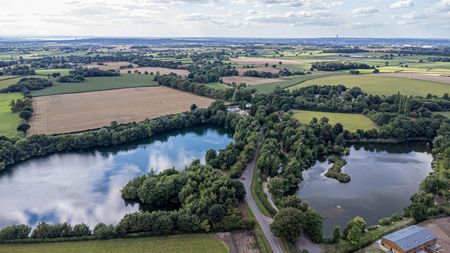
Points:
(287, 223)
(23, 127)
(193, 107)
(266, 65)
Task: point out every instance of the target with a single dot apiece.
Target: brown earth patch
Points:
(249, 80)
(257, 60)
(83, 111)
(260, 69)
(425, 77)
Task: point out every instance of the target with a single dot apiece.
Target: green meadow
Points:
(350, 121)
(8, 120)
(380, 85)
(175, 244)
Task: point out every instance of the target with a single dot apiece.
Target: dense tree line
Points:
(25, 110)
(7, 63)
(183, 84)
(208, 72)
(262, 74)
(19, 70)
(27, 84)
(334, 66)
(93, 72)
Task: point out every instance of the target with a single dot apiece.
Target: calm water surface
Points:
(384, 176)
(85, 186)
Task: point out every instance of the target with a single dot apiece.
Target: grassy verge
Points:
(368, 238)
(98, 83)
(178, 243)
(8, 120)
(381, 85)
(350, 121)
(260, 197)
(261, 240)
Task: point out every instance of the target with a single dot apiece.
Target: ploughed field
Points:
(178, 243)
(249, 80)
(84, 111)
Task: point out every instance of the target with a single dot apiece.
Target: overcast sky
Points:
(234, 18)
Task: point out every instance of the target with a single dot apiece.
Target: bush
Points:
(103, 231)
(385, 222)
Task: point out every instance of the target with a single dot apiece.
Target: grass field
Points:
(445, 113)
(90, 110)
(380, 85)
(4, 83)
(289, 81)
(45, 72)
(97, 84)
(218, 86)
(351, 122)
(178, 243)
(8, 120)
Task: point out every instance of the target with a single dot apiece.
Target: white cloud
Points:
(364, 11)
(442, 6)
(402, 4)
(409, 18)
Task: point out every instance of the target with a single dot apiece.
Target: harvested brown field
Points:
(426, 77)
(162, 71)
(84, 111)
(256, 60)
(249, 80)
(109, 65)
(260, 69)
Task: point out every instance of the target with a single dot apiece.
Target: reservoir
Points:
(383, 178)
(84, 186)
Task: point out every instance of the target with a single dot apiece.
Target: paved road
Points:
(263, 221)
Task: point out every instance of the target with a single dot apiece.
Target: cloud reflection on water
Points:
(85, 187)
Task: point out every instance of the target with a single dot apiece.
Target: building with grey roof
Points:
(412, 239)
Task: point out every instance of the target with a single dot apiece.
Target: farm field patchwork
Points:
(290, 81)
(178, 243)
(218, 86)
(381, 85)
(162, 71)
(8, 120)
(90, 110)
(350, 121)
(249, 80)
(425, 77)
(97, 84)
(261, 60)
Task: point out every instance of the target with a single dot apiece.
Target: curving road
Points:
(264, 222)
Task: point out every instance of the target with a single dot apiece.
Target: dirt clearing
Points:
(426, 77)
(249, 80)
(256, 60)
(83, 111)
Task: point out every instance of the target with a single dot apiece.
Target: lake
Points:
(85, 186)
(383, 177)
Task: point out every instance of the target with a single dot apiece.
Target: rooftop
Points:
(410, 237)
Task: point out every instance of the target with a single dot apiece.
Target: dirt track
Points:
(83, 111)
(441, 229)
